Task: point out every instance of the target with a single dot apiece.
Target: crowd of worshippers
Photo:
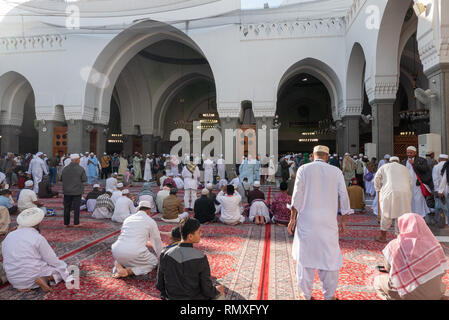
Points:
(401, 188)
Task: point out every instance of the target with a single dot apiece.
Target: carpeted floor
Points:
(252, 262)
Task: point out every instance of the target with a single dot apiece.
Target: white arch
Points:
(322, 72)
(120, 50)
(14, 91)
(355, 80)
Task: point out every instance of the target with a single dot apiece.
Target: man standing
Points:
(420, 173)
(137, 160)
(92, 169)
(105, 165)
(73, 176)
(393, 182)
(285, 173)
(10, 165)
(37, 169)
(312, 249)
(53, 164)
(191, 174)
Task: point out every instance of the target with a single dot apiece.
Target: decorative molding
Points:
(383, 88)
(293, 29)
(352, 108)
(264, 109)
(229, 109)
(47, 42)
(353, 12)
(429, 54)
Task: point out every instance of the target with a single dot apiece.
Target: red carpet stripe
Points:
(264, 272)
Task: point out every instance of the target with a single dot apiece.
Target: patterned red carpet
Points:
(252, 262)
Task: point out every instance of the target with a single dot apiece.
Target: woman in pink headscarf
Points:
(415, 262)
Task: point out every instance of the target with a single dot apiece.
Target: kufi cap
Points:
(335, 154)
(355, 157)
(39, 154)
(104, 153)
(361, 155)
(125, 191)
(119, 185)
(115, 173)
(412, 148)
(387, 156)
(29, 183)
(145, 204)
(96, 185)
(86, 152)
(170, 174)
(30, 217)
(209, 186)
(205, 192)
(74, 156)
(444, 156)
(394, 159)
(321, 149)
(257, 184)
(347, 154)
(109, 190)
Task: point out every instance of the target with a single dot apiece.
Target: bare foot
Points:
(41, 282)
(121, 272)
(24, 290)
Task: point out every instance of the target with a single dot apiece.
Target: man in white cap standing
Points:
(314, 222)
(73, 177)
(124, 207)
(37, 169)
(191, 174)
(28, 259)
(221, 167)
(130, 251)
(420, 173)
(393, 183)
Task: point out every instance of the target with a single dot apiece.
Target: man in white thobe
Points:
(130, 251)
(221, 167)
(124, 207)
(117, 193)
(319, 188)
(37, 169)
(208, 171)
(28, 259)
(84, 161)
(230, 202)
(394, 185)
(419, 204)
(375, 206)
(147, 176)
(111, 182)
(191, 174)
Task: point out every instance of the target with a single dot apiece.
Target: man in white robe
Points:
(130, 251)
(28, 259)
(191, 174)
(111, 182)
(436, 172)
(419, 204)
(231, 212)
(37, 169)
(394, 186)
(221, 167)
(117, 193)
(178, 181)
(375, 205)
(124, 207)
(208, 171)
(319, 188)
(147, 176)
(84, 161)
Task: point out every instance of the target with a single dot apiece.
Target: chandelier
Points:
(415, 115)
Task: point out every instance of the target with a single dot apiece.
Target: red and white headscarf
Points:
(415, 256)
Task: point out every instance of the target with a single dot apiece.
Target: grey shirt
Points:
(73, 176)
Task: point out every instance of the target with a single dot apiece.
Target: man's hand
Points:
(220, 289)
(412, 161)
(292, 224)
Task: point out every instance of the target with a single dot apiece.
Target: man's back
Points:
(393, 177)
(184, 274)
(72, 178)
(172, 207)
(255, 194)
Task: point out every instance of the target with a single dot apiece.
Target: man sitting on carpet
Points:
(117, 193)
(28, 198)
(104, 207)
(184, 272)
(92, 196)
(45, 191)
(204, 208)
(356, 195)
(230, 207)
(130, 251)
(28, 259)
(7, 201)
(173, 208)
(124, 207)
(160, 197)
(111, 182)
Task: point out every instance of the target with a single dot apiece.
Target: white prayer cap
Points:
(209, 186)
(347, 154)
(394, 159)
(109, 190)
(321, 149)
(96, 185)
(170, 174)
(355, 157)
(387, 156)
(104, 153)
(119, 185)
(114, 174)
(256, 184)
(30, 217)
(29, 183)
(205, 192)
(145, 204)
(74, 156)
(335, 154)
(361, 155)
(126, 191)
(39, 154)
(444, 156)
(412, 148)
